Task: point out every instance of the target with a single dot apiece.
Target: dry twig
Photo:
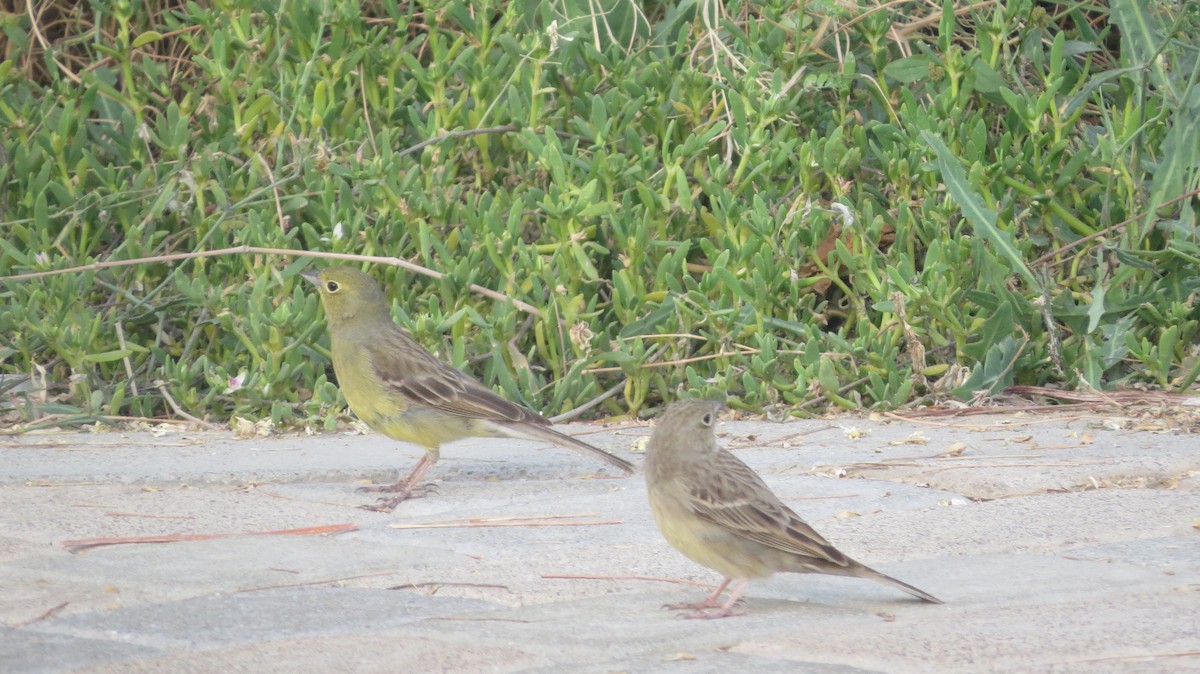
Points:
(508, 521)
(81, 544)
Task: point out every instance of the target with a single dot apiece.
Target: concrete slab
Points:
(1058, 543)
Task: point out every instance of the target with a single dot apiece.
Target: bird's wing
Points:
(738, 500)
(407, 369)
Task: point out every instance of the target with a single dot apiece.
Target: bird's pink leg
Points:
(404, 489)
(708, 602)
(726, 609)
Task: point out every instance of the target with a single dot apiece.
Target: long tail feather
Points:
(548, 434)
(883, 578)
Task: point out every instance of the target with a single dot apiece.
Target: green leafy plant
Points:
(786, 206)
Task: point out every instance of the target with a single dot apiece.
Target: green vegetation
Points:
(781, 202)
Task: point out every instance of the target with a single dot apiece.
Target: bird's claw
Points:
(387, 505)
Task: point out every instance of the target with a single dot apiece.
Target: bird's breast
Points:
(387, 411)
(702, 541)
(365, 392)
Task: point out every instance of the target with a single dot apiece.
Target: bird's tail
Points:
(867, 572)
(547, 434)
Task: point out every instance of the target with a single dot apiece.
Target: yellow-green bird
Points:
(719, 512)
(402, 391)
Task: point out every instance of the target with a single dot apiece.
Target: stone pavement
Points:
(1058, 543)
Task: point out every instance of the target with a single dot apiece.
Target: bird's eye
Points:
(332, 286)
(707, 419)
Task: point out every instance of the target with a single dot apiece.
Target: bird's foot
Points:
(692, 606)
(701, 609)
(723, 612)
(387, 505)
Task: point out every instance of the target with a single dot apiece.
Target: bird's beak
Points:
(312, 276)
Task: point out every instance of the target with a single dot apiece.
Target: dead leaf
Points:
(854, 433)
(244, 428)
(916, 438)
(955, 449)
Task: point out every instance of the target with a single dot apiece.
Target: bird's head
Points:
(688, 418)
(348, 295)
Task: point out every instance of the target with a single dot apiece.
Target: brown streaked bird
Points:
(717, 511)
(402, 391)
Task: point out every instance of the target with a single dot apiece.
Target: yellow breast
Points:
(704, 542)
